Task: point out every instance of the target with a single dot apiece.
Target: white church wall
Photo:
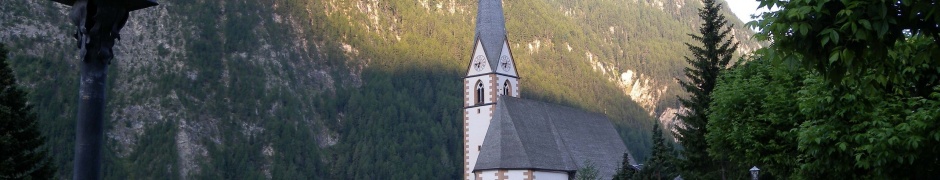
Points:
(490, 174)
(520, 175)
(549, 175)
(515, 174)
(478, 120)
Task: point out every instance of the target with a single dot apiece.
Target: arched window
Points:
(507, 88)
(479, 93)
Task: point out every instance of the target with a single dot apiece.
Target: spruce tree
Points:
(588, 172)
(709, 58)
(21, 152)
(626, 170)
(660, 164)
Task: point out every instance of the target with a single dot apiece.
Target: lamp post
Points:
(754, 172)
(99, 23)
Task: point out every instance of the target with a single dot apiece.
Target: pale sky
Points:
(744, 8)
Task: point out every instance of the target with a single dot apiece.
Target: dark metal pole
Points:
(99, 23)
(91, 93)
(96, 39)
(88, 134)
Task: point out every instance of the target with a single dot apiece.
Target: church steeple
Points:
(491, 73)
(491, 29)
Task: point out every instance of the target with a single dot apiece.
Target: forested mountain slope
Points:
(331, 89)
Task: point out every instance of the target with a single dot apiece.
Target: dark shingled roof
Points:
(491, 29)
(527, 134)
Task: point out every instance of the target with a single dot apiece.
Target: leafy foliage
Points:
(866, 106)
(708, 60)
(857, 42)
(22, 151)
(884, 136)
(793, 124)
(754, 116)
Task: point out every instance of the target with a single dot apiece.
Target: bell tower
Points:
(491, 72)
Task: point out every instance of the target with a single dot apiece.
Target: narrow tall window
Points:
(479, 93)
(507, 88)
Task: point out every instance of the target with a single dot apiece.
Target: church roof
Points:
(491, 29)
(527, 134)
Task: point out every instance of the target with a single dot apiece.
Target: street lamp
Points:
(99, 23)
(754, 172)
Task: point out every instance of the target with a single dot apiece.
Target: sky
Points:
(744, 8)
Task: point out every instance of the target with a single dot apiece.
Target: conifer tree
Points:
(709, 58)
(660, 164)
(626, 170)
(21, 152)
(588, 172)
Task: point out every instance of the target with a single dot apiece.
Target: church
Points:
(507, 137)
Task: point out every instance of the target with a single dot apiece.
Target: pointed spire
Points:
(491, 29)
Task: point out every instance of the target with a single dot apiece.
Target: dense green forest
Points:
(332, 89)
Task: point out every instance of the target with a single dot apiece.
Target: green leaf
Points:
(883, 29)
(825, 38)
(865, 24)
(820, 5)
(834, 36)
(804, 28)
(833, 57)
(848, 56)
(861, 35)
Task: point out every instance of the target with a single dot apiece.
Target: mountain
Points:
(338, 89)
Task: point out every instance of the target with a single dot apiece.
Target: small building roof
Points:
(527, 134)
(491, 29)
